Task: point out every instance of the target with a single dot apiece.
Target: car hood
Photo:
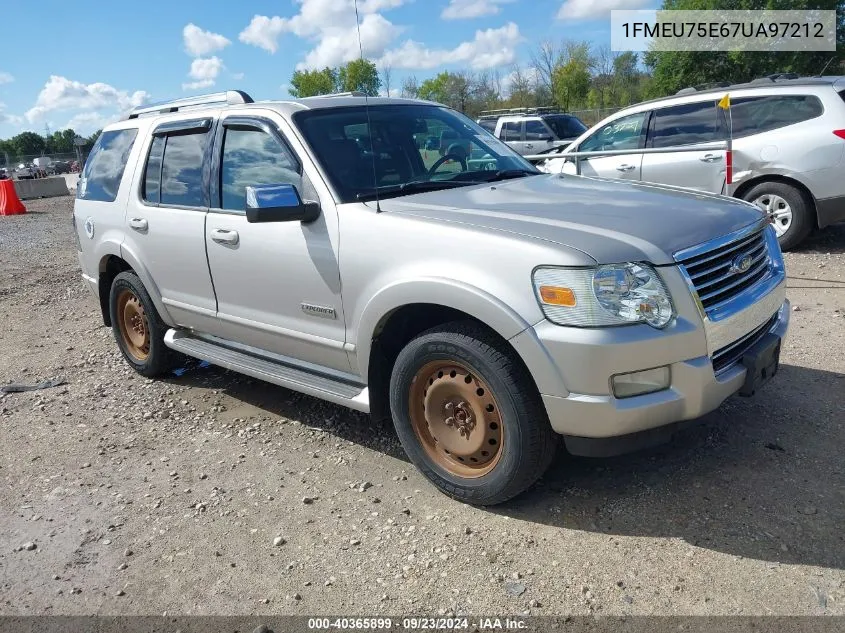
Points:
(610, 220)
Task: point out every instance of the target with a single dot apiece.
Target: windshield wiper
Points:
(508, 174)
(414, 186)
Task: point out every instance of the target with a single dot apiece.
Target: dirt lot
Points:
(145, 497)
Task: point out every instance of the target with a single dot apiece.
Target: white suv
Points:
(788, 148)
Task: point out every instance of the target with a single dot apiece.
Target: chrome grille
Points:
(727, 356)
(714, 277)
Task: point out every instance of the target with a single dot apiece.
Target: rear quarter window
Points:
(105, 166)
(754, 115)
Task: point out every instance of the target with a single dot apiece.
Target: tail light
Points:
(840, 133)
(729, 167)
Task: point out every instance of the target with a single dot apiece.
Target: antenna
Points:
(829, 62)
(367, 108)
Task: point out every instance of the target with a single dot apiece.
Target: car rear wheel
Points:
(137, 326)
(468, 414)
(788, 209)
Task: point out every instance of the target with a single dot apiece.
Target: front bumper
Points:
(695, 390)
(587, 362)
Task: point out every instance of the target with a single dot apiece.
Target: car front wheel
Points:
(468, 414)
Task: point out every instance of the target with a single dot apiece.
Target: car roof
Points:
(762, 84)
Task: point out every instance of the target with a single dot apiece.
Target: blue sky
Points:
(80, 65)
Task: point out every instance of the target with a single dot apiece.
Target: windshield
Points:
(566, 126)
(401, 149)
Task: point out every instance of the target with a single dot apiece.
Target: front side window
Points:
(367, 151)
(536, 131)
(566, 126)
(623, 133)
(686, 124)
(753, 115)
(253, 157)
(105, 165)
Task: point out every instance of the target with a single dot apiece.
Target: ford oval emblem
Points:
(741, 264)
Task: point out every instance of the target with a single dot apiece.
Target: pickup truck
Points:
(485, 307)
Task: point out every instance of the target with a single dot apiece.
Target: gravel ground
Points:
(211, 493)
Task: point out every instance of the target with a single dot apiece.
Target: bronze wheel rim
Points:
(133, 325)
(456, 418)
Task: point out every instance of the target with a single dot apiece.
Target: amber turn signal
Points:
(557, 296)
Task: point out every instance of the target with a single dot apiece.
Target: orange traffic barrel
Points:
(10, 204)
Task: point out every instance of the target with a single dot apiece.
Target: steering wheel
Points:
(462, 160)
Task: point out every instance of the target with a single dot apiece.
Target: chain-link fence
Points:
(591, 117)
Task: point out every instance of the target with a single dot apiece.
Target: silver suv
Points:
(313, 244)
(788, 148)
(532, 130)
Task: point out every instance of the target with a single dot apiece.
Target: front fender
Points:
(446, 292)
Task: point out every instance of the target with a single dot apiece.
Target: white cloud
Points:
(467, 9)
(238, 76)
(6, 78)
(198, 85)
(9, 118)
(331, 25)
(339, 45)
(86, 123)
(206, 68)
(204, 71)
(60, 93)
(489, 49)
(263, 32)
(591, 9)
(199, 43)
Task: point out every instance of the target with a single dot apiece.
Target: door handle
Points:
(222, 236)
(139, 224)
(624, 167)
(710, 158)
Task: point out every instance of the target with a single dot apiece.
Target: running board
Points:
(284, 374)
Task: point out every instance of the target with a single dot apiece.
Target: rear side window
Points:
(173, 175)
(685, 125)
(105, 165)
(753, 115)
(511, 131)
(490, 125)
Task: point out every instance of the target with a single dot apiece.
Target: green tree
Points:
(60, 141)
(309, 83)
(360, 75)
(674, 70)
(572, 84)
(28, 143)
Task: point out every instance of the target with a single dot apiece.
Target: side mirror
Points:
(278, 203)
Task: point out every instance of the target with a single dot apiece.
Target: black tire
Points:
(159, 358)
(802, 207)
(528, 441)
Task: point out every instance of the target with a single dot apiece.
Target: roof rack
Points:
(332, 95)
(768, 79)
(492, 114)
(229, 97)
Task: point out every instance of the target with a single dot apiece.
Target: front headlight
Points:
(615, 294)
